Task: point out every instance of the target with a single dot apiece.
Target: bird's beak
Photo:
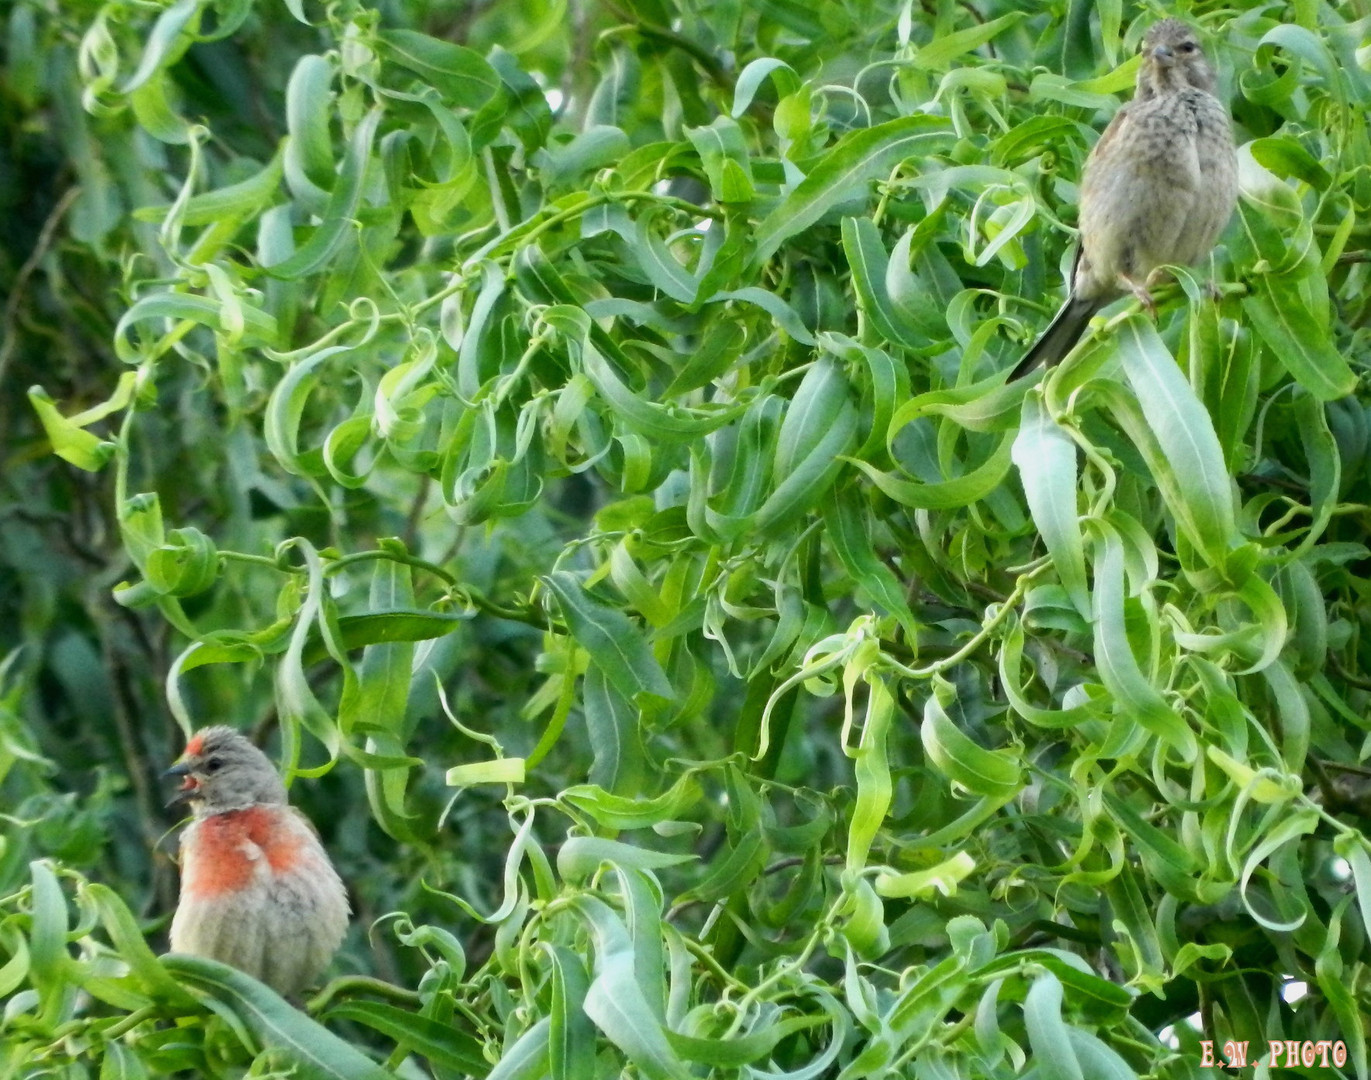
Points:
(188, 784)
(1164, 54)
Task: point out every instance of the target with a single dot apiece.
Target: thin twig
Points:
(40, 249)
(1346, 676)
(416, 510)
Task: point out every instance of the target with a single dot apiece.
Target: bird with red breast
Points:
(258, 891)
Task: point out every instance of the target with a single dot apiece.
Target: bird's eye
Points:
(213, 765)
(1188, 46)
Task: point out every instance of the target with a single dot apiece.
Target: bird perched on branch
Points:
(257, 889)
(1158, 189)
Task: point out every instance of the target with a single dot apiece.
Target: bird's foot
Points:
(1143, 295)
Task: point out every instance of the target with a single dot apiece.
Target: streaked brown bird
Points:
(1158, 189)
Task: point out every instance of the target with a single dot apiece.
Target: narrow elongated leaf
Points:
(615, 645)
(1053, 1052)
(615, 1002)
(338, 216)
(1097, 1060)
(1185, 434)
(581, 856)
(867, 257)
(1046, 460)
(459, 73)
(618, 812)
(1298, 341)
(309, 151)
(946, 494)
(945, 48)
(442, 1044)
(993, 773)
(571, 1035)
(752, 76)
(845, 170)
(1137, 699)
(849, 526)
(529, 1057)
(313, 1049)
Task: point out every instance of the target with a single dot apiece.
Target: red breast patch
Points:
(225, 851)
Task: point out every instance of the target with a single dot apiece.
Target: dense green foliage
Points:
(572, 435)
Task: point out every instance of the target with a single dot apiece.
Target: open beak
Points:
(189, 785)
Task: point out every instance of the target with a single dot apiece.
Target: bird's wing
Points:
(1109, 142)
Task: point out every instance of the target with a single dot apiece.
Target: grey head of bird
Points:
(221, 771)
(1172, 60)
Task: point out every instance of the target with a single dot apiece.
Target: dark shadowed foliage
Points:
(571, 437)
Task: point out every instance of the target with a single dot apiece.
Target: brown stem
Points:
(40, 249)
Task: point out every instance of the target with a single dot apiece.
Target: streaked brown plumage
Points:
(1158, 189)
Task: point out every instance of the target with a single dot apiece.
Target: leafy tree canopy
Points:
(572, 435)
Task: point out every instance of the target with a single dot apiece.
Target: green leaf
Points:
(529, 1057)
(612, 723)
(1096, 1059)
(165, 43)
(456, 72)
(1296, 339)
(783, 314)
(1053, 1051)
(505, 770)
(1354, 849)
(752, 76)
(849, 528)
(945, 48)
(121, 1063)
(723, 153)
(582, 856)
(309, 150)
(946, 494)
(620, 812)
(995, 774)
(68, 435)
(442, 1044)
(870, 265)
(731, 870)
(1285, 157)
(844, 171)
(127, 938)
(1046, 460)
(923, 884)
(1186, 436)
(341, 211)
(314, 1050)
(571, 1035)
(615, 645)
(615, 1002)
(240, 200)
(1136, 697)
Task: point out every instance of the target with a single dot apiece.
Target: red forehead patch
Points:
(196, 746)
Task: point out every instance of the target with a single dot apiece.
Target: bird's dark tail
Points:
(1061, 334)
